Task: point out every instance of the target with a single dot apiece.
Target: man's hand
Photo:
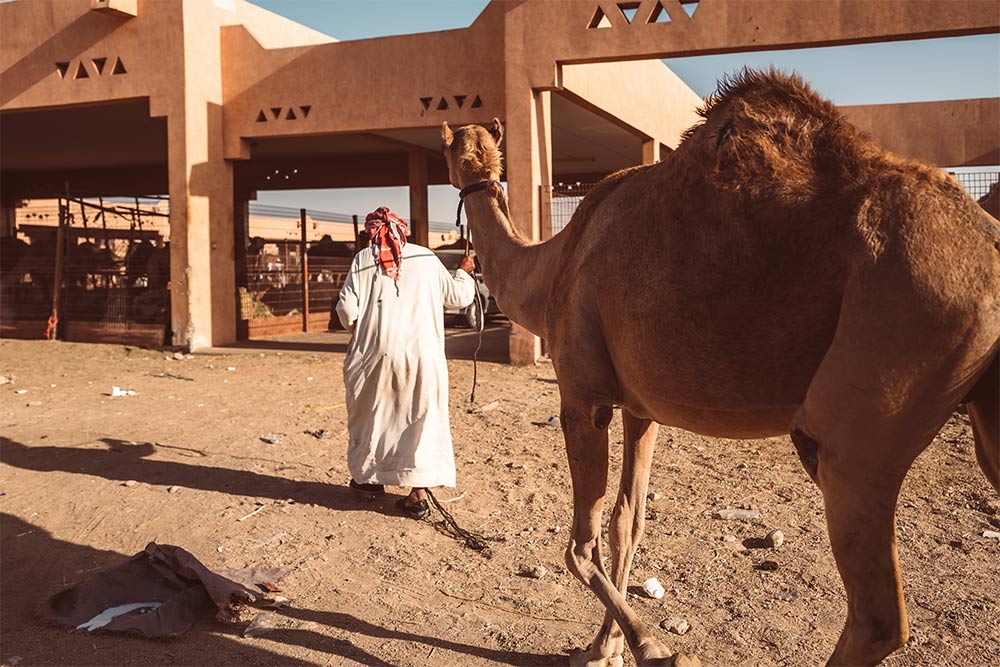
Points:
(468, 264)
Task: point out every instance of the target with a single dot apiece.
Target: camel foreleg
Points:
(587, 450)
(627, 523)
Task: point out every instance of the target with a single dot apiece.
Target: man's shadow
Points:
(123, 461)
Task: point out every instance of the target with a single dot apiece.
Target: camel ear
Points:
(446, 134)
(496, 129)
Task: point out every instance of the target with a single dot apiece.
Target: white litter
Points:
(118, 391)
(112, 613)
(653, 588)
(739, 515)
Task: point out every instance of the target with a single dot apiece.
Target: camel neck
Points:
(515, 271)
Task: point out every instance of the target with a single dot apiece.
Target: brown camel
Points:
(778, 273)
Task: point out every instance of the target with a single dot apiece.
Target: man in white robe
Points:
(395, 372)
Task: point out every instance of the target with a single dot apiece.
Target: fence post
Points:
(52, 332)
(304, 261)
(356, 233)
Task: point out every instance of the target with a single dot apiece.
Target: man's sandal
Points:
(367, 491)
(418, 510)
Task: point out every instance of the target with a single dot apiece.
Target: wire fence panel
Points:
(977, 183)
(110, 283)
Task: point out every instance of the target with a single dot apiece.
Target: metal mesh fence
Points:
(565, 197)
(108, 281)
(977, 183)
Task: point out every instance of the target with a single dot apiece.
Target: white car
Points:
(451, 258)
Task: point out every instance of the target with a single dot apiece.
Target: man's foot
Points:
(367, 491)
(418, 510)
(415, 505)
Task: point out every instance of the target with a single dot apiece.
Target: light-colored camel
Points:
(778, 273)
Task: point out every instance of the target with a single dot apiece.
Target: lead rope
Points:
(475, 541)
(481, 322)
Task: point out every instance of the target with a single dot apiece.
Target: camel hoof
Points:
(581, 658)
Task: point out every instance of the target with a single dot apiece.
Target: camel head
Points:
(472, 153)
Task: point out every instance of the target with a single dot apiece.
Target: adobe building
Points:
(208, 102)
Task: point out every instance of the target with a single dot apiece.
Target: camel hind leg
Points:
(876, 402)
(984, 413)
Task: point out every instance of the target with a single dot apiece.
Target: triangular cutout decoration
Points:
(690, 6)
(599, 20)
(460, 100)
(426, 101)
(99, 64)
(62, 68)
(659, 15)
(276, 112)
(261, 118)
(305, 110)
(119, 67)
(291, 114)
(81, 72)
(476, 103)
(442, 105)
(628, 10)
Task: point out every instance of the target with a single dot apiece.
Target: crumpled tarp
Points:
(185, 589)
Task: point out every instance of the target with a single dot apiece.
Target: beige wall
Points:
(210, 67)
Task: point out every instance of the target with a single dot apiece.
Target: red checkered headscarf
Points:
(388, 234)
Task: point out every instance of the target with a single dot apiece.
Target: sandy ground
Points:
(371, 587)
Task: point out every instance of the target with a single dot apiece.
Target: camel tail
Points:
(983, 403)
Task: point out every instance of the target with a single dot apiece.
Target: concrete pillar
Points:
(202, 270)
(528, 134)
(8, 221)
(650, 151)
(202, 275)
(419, 216)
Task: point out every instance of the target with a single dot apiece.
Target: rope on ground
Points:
(511, 610)
(448, 525)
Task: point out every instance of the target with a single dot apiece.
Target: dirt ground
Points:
(371, 587)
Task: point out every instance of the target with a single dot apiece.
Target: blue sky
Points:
(923, 70)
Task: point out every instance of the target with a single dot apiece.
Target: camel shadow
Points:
(124, 460)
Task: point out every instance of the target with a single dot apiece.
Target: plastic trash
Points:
(653, 588)
(111, 613)
(118, 391)
(738, 515)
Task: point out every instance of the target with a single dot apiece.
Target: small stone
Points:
(20, 392)
(676, 625)
(513, 465)
(178, 356)
(991, 534)
(130, 483)
(14, 660)
(653, 496)
(173, 489)
(261, 624)
(272, 438)
(552, 421)
(34, 404)
(537, 572)
(6, 379)
(231, 368)
(774, 539)
(555, 529)
(219, 549)
(728, 538)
